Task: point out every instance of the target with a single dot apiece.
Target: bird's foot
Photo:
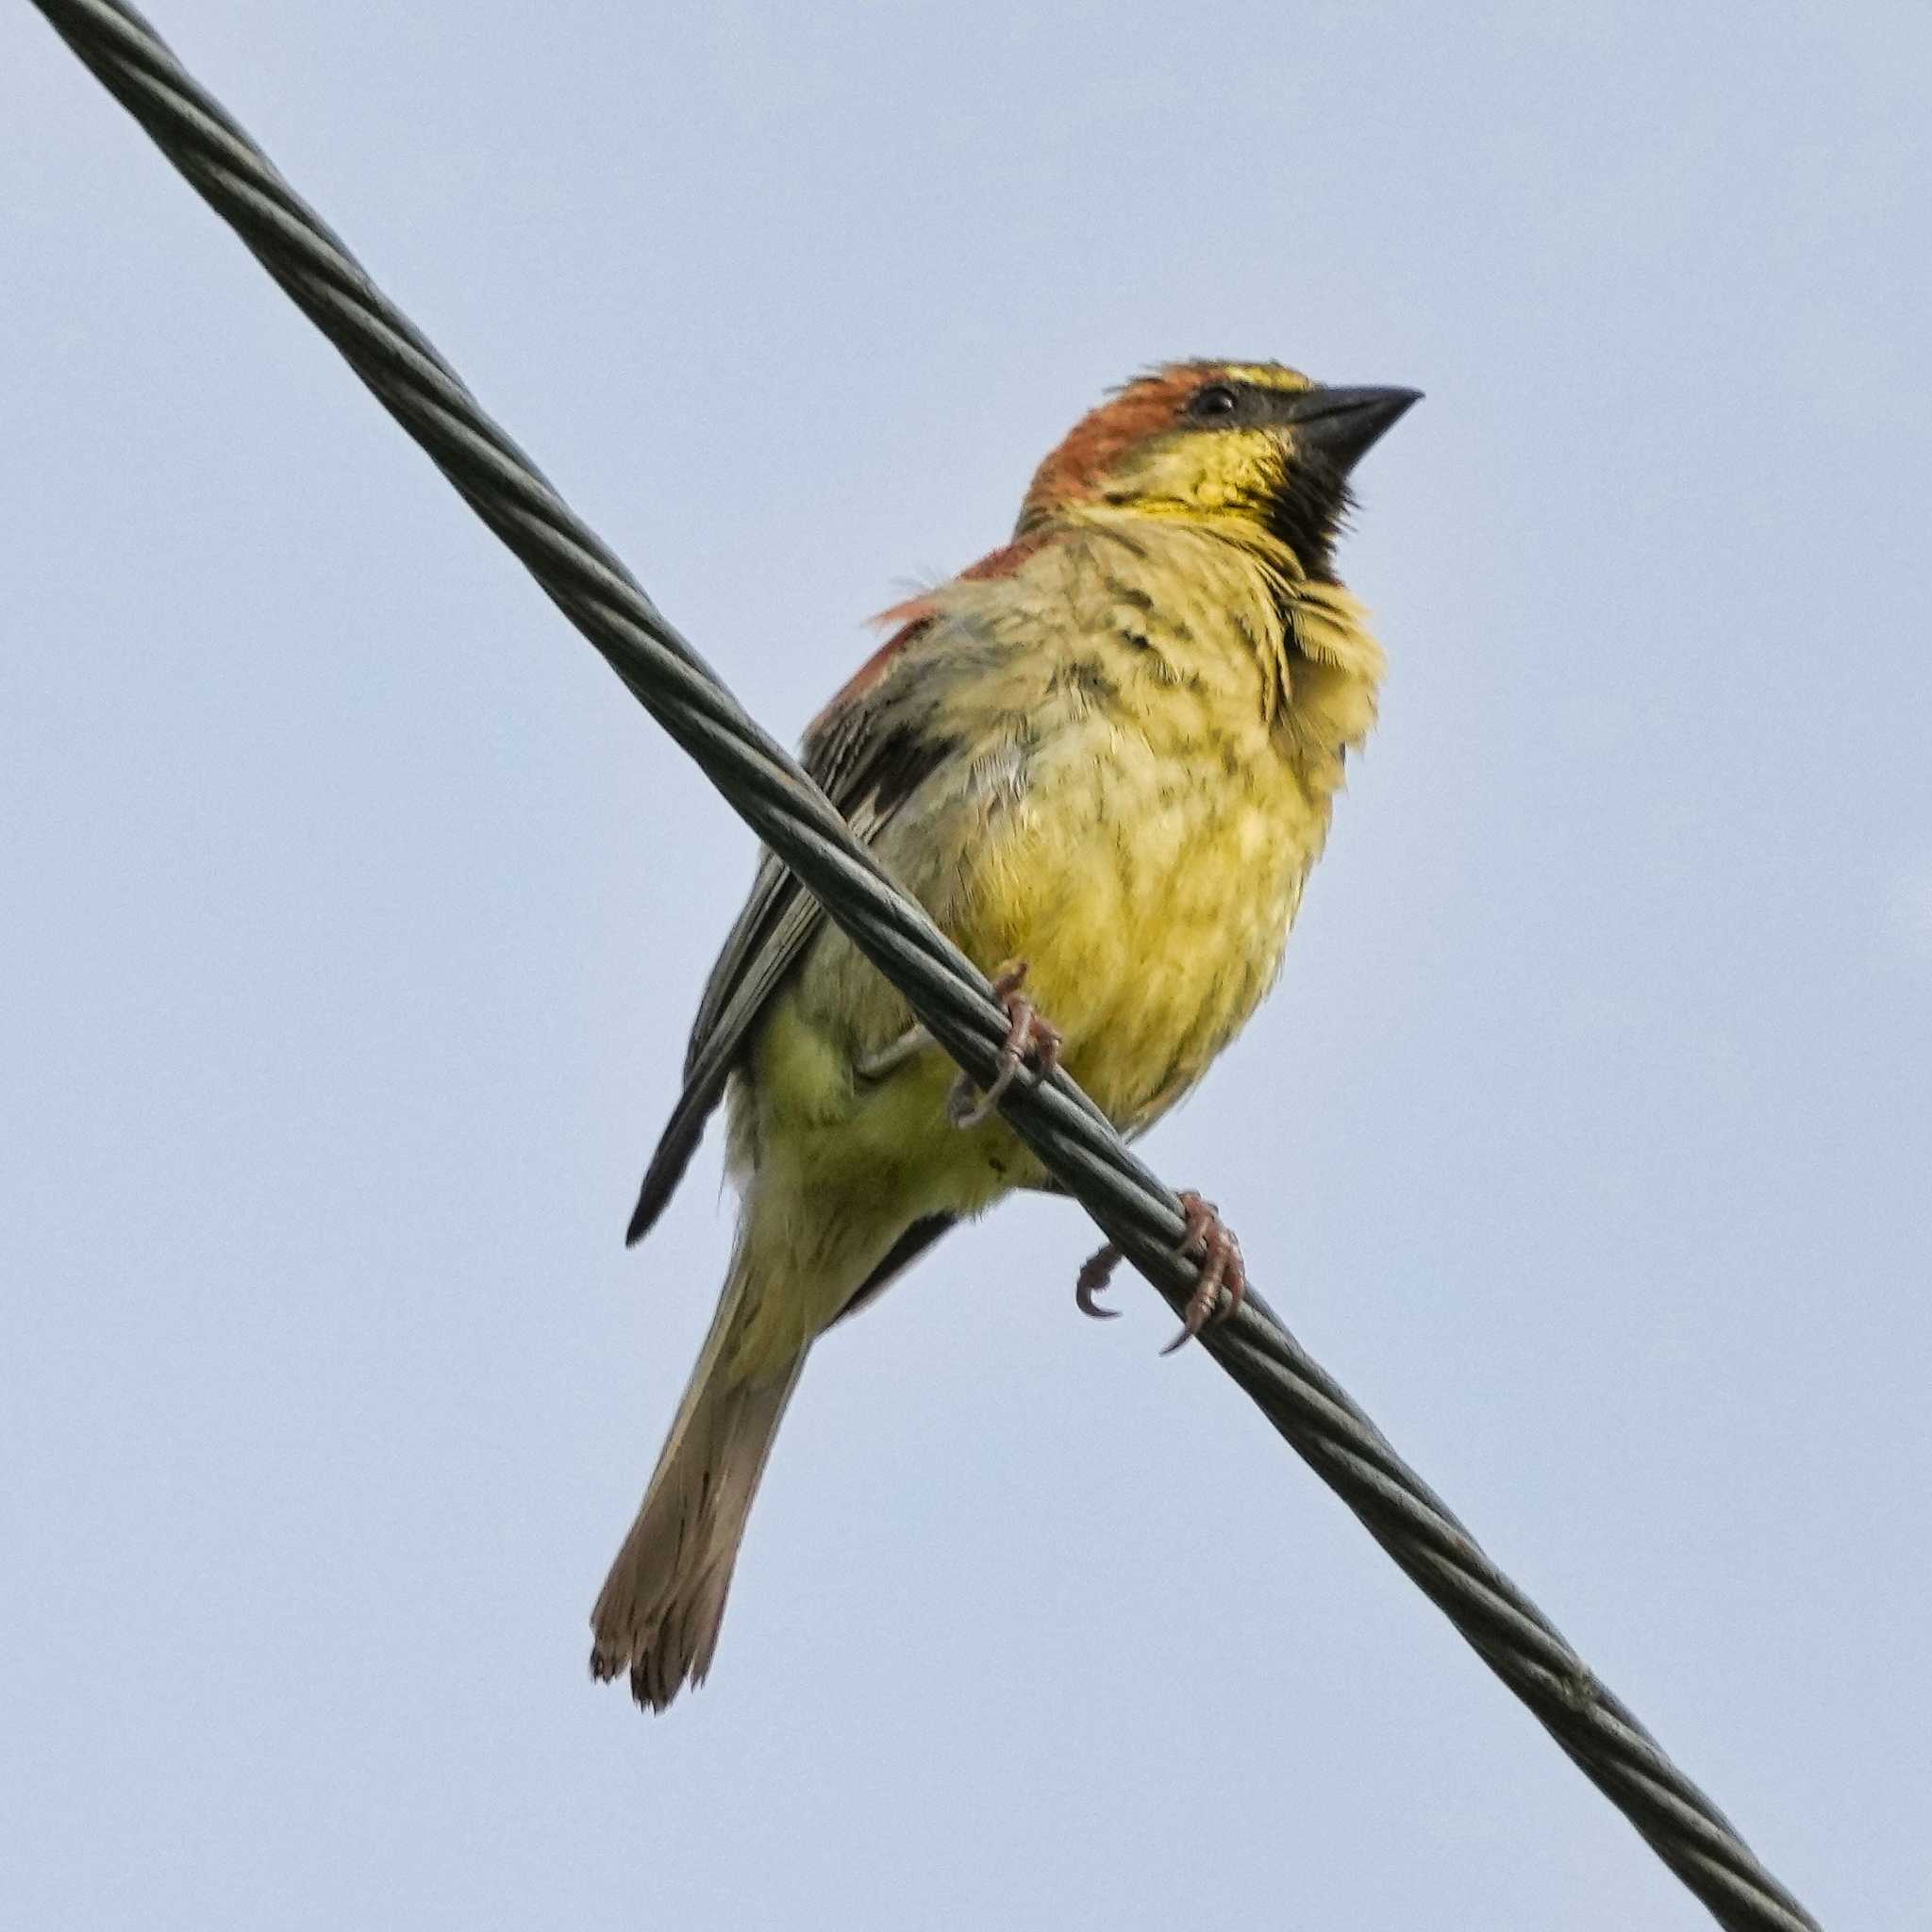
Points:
(1096, 1270)
(1222, 1267)
(1029, 1038)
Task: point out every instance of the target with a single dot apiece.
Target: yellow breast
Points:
(1130, 804)
(1150, 890)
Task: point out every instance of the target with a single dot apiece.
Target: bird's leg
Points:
(891, 1056)
(1029, 1038)
(1222, 1267)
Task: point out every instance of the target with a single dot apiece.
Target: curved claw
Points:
(1096, 1270)
(1221, 1267)
(1030, 1038)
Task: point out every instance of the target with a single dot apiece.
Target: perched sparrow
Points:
(1108, 751)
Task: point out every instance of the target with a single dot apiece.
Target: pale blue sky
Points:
(355, 916)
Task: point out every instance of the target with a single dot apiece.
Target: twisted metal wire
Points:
(950, 995)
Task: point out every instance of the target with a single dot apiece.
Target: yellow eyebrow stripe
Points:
(1268, 376)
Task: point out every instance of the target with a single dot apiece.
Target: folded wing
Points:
(868, 751)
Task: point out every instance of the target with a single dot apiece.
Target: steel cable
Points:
(951, 996)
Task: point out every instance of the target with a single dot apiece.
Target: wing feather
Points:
(868, 767)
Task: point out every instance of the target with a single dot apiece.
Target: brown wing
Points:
(869, 754)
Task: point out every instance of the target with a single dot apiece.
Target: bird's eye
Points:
(1217, 399)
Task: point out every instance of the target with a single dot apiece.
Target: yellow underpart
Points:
(1150, 737)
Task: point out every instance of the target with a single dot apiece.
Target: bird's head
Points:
(1245, 446)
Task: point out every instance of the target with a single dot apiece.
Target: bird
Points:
(1103, 758)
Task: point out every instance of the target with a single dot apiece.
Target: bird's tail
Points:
(658, 1612)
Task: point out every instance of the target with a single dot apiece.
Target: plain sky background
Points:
(354, 916)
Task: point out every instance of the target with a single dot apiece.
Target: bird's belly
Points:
(1150, 898)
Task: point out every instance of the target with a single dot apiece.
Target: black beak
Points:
(1344, 425)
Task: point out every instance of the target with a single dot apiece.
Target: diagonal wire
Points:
(950, 995)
